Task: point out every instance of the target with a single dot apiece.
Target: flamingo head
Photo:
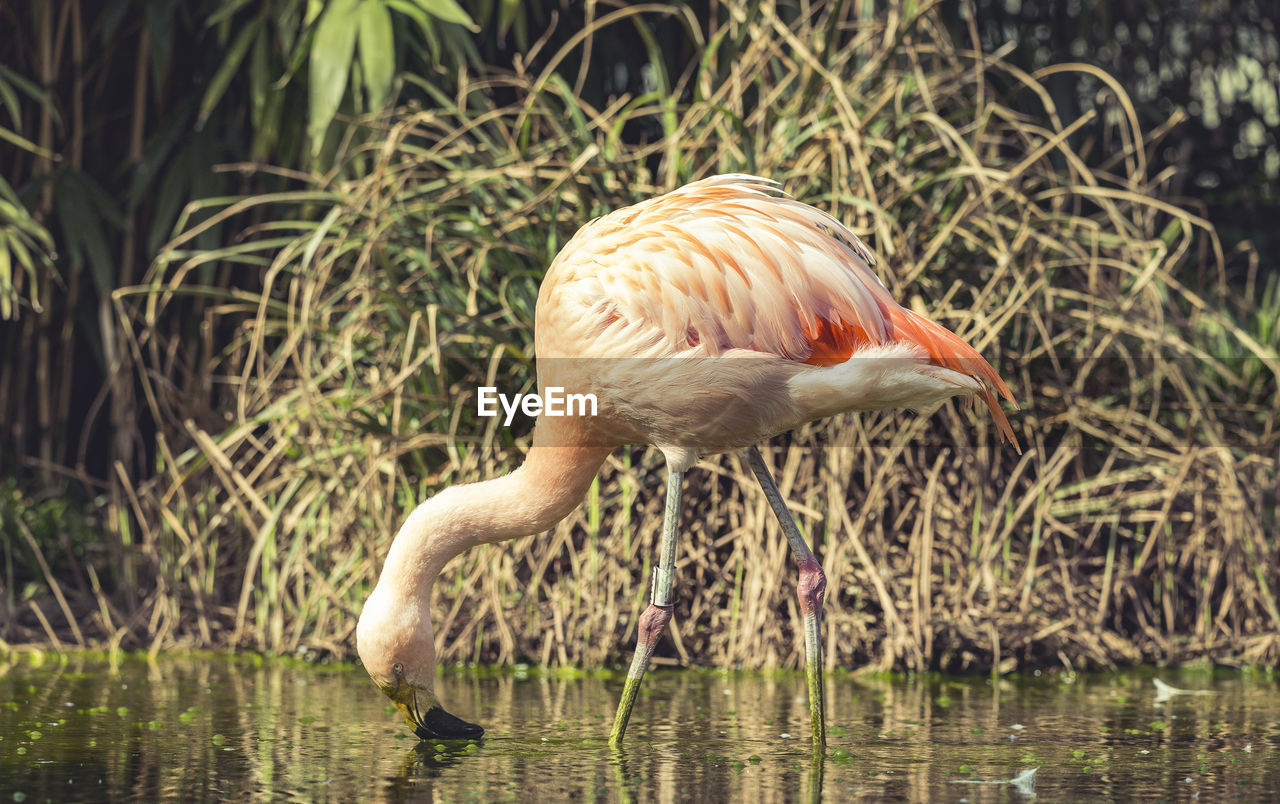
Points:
(397, 646)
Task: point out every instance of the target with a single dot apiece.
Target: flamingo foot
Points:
(652, 622)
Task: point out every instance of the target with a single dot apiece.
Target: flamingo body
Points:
(653, 307)
(703, 320)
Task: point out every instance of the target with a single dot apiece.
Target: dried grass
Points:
(312, 380)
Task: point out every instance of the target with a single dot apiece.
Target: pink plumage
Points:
(729, 267)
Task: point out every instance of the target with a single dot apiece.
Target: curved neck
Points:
(542, 491)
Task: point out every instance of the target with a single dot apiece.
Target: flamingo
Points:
(704, 320)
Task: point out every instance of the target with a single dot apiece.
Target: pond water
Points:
(207, 727)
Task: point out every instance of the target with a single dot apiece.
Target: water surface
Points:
(205, 727)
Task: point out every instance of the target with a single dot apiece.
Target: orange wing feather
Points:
(832, 343)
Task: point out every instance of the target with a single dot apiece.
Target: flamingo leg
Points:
(810, 589)
(656, 617)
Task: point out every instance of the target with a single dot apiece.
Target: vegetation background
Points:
(255, 256)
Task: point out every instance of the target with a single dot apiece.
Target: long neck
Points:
(547, 486)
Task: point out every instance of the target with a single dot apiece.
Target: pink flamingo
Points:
(703, 320)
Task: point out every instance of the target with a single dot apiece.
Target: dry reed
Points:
(321, 386)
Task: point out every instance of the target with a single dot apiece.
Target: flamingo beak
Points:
(433, 722)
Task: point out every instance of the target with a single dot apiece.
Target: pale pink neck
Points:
(542, 491)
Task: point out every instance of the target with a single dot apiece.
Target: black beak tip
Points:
(437, 724)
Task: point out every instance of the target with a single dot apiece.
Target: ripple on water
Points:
(202, 727)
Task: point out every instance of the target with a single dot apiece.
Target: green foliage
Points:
(331, 58)
(26, 247)
(1246, 344)
(11, 84)
(114, 116)
(351, 51)
(46, 539)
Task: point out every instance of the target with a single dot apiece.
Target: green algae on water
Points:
(226, 727)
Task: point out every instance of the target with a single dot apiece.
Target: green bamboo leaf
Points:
(11, 83)
(507, 10)
(87, 216)
(26, 87)
(424, 20)
(331, 53)
(24, 257)
(377, 52)
(7, 192)
(225, 12)
(297, 56)
(159, 26)
(7, 293)
(25, 144)
(314, 7)
(82, 232)
(461, 45)
(259, 88)
(11, 102)
(230, 66)
(18, 221)
(411, 11)
(447, 10)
